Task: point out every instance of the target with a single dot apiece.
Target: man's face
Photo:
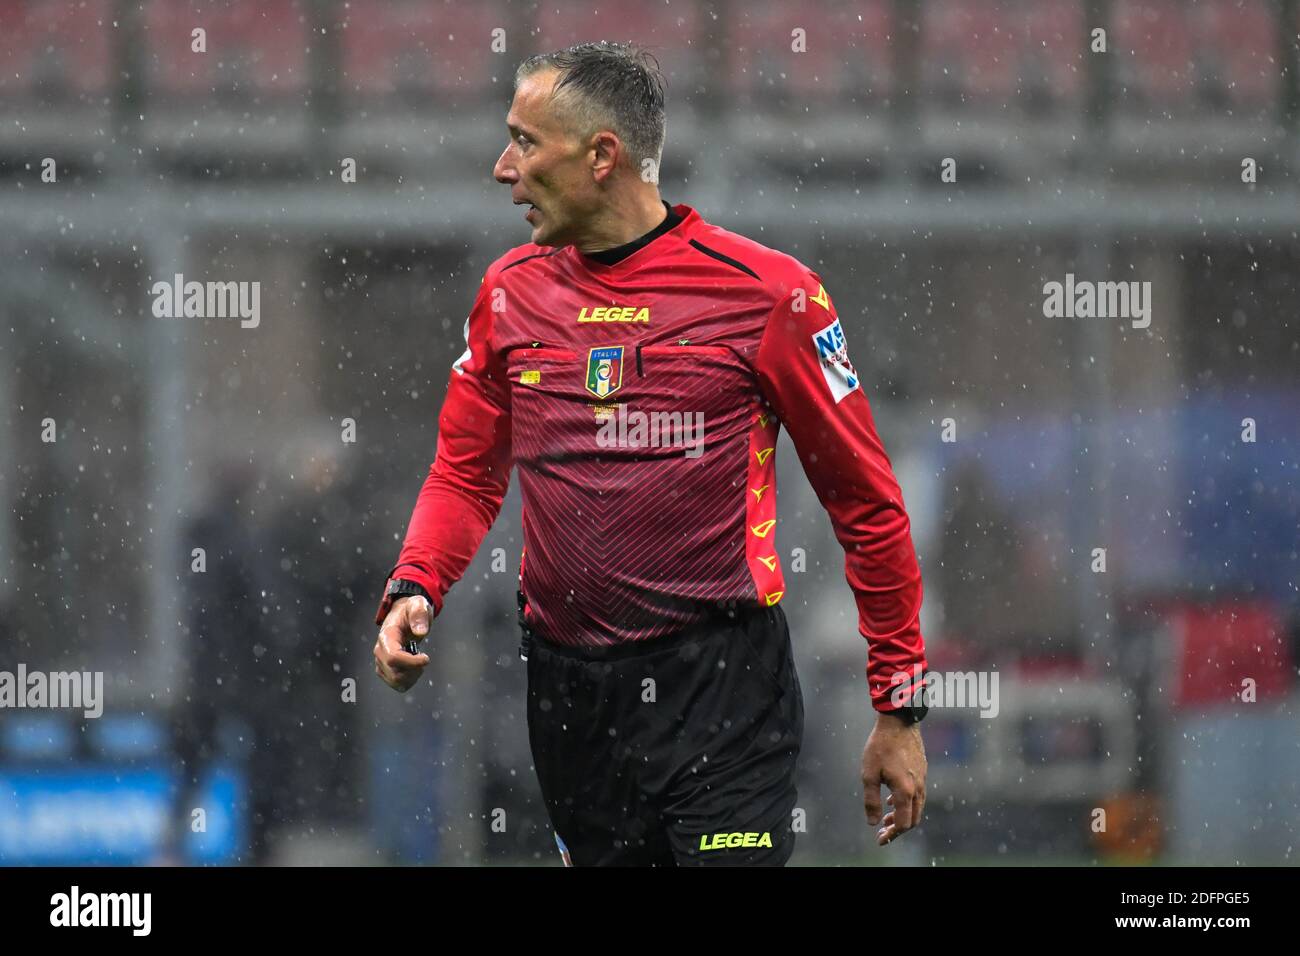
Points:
(546, 165)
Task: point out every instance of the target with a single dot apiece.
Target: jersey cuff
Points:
(409, 572)
(896, 691)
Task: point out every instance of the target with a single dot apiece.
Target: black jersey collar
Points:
(609, 257)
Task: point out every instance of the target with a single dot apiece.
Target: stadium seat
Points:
(671, 33)
(417, 50)
(53, 49)
(254, 49)
(997, 55)
(1236, 52)
(970, 51)
(1153, 45)
(1053, 41)
(848, 51)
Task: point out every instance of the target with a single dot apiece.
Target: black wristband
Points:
(401, 587)
(910, 713)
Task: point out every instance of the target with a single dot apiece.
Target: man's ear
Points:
(607, 150)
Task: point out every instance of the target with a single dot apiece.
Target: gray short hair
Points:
(614, 86)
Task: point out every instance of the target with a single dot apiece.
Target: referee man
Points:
(634, 363)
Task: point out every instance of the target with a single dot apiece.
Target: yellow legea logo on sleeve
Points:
(732, 841)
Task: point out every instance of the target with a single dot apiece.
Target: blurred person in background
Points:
(227, 681)
(323, 537)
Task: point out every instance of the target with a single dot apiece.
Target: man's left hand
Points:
(894, 756)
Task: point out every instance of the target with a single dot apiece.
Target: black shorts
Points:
(674, 751)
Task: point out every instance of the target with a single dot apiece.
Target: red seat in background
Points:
(1153, 45)
(427, 47)
(998, 54)
(1242, 34)
(1054, 39)
(971, 49)
(259, 44)
(67, 45)
(1215, 646)
(670, 31)
(848, 53)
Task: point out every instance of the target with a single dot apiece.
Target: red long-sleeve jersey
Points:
(640, 401)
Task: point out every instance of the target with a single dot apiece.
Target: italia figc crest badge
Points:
(605, 371)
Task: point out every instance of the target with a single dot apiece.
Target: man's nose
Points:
(504, 170)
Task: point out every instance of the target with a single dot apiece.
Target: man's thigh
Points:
(733, 793)
(737, 815)
(588, 763)
(700, 771)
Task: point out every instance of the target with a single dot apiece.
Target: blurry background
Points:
(818, 128)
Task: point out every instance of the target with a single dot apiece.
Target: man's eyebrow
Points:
(516, 129)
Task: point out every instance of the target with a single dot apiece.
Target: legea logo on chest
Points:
(615, 313)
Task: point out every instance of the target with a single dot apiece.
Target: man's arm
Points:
(804, 370)
(467, 481)
(806, 377)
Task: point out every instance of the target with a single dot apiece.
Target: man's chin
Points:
(543, 237)
(545, 233)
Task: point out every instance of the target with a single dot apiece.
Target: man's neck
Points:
(624, 222)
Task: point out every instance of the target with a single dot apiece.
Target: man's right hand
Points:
(408, 618)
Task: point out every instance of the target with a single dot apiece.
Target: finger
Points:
(903, 810)
(871, 800)
(386, 673)
(871, 789)
(402, 680)
(417, 616)
(394, 678)
(391, 651)
(888, 831)
(394, 657)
